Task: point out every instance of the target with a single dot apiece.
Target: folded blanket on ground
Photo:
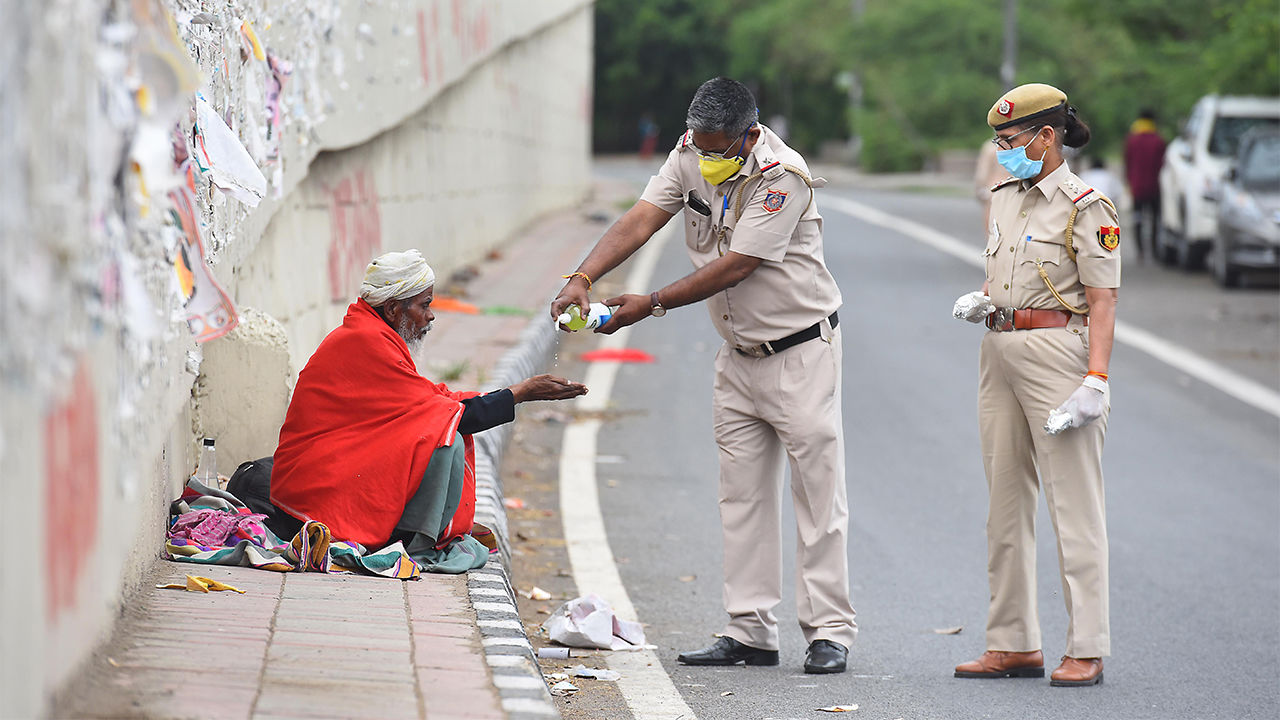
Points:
(212, 527)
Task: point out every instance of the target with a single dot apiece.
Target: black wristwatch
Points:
(655, 305)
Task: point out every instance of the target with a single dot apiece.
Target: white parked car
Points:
(1194, 165)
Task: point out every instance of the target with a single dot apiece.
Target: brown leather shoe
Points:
(1003, 664)
(1077, 672)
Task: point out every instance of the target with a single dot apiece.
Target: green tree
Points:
(650, 57)
(930, 69)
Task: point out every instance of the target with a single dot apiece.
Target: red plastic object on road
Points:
(626, 355)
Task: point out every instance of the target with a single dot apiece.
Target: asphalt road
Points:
(1193, 493)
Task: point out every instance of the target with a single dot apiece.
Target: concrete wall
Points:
(445, 125)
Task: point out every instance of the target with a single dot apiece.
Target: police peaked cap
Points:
(1024, 104)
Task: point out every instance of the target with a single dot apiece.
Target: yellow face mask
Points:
(717, 168)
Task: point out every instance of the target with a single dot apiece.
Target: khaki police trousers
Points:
(1024, 374)
(786, 404)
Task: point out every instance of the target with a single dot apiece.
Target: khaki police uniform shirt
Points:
(1028, 223)
(792, 289)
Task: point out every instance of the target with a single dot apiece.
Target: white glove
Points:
(974, 307)
(1086, 404)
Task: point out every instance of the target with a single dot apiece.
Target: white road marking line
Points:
(646, 687)
(1176, 356)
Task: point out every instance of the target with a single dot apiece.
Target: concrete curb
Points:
(507, 650)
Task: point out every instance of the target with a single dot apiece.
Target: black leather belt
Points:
(777, 346)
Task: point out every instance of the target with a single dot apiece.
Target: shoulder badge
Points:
(773, 200)
(1109, 237)
(684, 140)
(1003, 183)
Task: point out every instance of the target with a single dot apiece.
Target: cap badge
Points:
(1005, 108)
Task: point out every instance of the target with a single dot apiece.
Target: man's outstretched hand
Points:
(546, 387)
(630, 309)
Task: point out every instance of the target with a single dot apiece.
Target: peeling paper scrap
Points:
(246, 27)
(220, 154)
(838, 708)
(595, 673)
(949, 631)
(209, 311)
(726, 693)
(562, 688)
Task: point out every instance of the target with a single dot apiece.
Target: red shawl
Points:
(360, 431)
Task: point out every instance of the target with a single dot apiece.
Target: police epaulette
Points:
(1081, 195)
(1004, 182)
(773, 170)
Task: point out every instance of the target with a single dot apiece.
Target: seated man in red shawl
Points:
(374, 450)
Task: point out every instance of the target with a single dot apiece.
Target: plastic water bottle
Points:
(597, 315)
(207, 470)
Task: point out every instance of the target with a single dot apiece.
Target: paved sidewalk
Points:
(304, 645)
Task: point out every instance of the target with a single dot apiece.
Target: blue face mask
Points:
(1018, 164)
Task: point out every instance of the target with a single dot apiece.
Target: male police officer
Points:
(755, 237)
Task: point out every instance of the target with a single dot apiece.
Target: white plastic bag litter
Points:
(589, 622)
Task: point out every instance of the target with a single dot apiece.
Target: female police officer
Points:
(1053, 266)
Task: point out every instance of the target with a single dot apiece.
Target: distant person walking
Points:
(1101, 179)
(648, 136)
(985, 177)
(1143, 158)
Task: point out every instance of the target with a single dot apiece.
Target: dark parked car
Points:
(1248, 236)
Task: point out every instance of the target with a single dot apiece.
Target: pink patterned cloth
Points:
(213, 527)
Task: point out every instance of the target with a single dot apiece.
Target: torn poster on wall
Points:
(226, 161)
(209, 312)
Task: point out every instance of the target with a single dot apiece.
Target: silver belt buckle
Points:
(1002, 319)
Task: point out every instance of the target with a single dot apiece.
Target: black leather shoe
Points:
(825, 656)
(727, 651)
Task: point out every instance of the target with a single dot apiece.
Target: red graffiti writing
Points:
(422, 48)
(435, 37)
(70, 490)
(355, 233)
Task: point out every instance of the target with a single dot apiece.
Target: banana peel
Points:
(200, 584)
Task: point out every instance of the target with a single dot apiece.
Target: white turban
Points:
(396, 276)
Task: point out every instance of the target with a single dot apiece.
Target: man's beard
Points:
(415, 341)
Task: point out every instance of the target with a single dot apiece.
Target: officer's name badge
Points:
(773, 200)
(1109, 237)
